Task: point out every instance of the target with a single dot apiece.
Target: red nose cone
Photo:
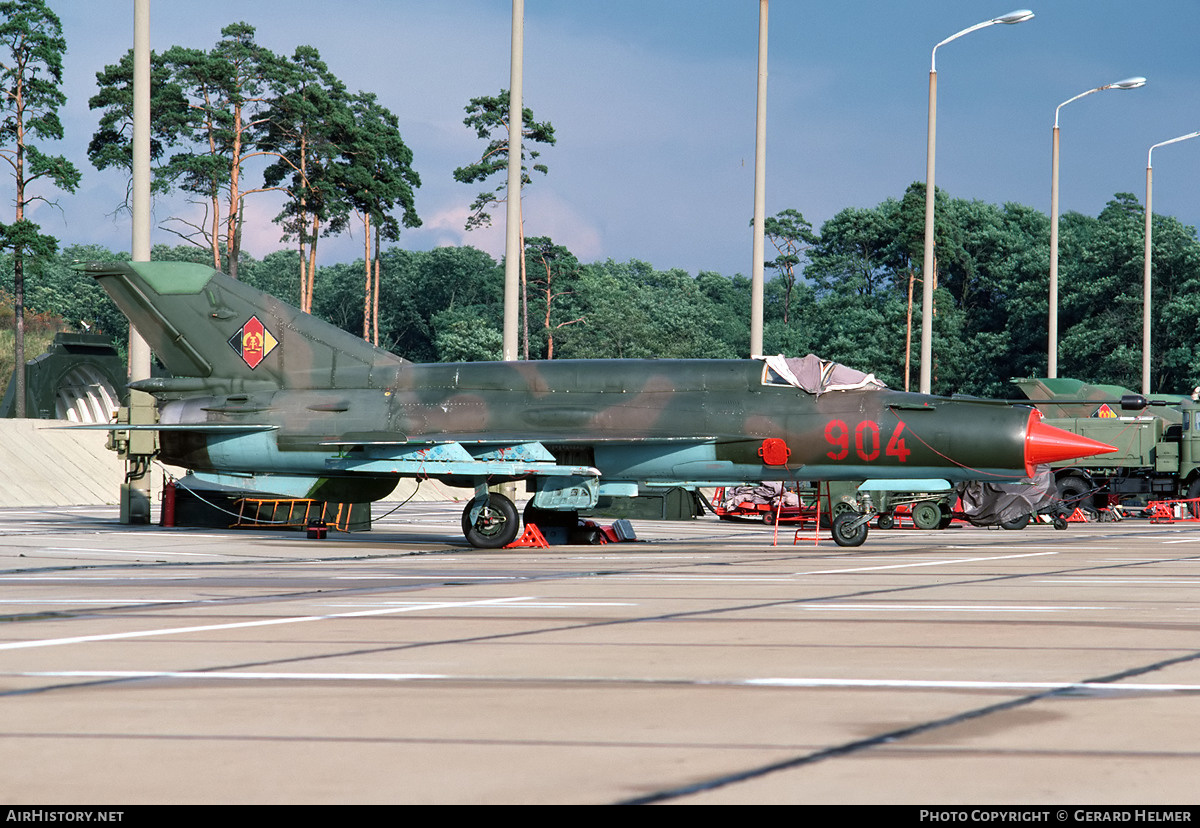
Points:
(1047, 444)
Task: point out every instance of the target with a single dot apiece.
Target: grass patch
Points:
(40, 329)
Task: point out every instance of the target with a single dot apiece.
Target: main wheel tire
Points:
(846, 535)
(926, 515)
(1016, 523)
(496, 526)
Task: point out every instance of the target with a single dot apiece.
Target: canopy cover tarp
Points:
(816, 375)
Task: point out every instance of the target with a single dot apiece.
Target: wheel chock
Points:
(531, 538)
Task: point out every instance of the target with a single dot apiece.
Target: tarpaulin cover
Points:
(989, 504)
(816, 375)
(764, 493)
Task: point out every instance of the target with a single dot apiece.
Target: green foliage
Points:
(33, 48)
(416, 286)
(375, 170)
(40, 329)
(991, 305)
(308, 111)
(53, 289)
(23, 236)
(463, 335)
(634, 311)
(991, 302)
(730, 299)
(275, 274)
(206, 106)
(551, 274)
(31, 76)
(791, 235)
(111, 145)
(859, 251)
(488, 117)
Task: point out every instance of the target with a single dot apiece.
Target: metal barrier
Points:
(1175, 511)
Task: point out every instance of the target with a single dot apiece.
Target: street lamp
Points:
(1146, 263)
(1019, 16)
(1052, 350)
(760, 189)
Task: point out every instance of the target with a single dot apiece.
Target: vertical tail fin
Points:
(201, 323)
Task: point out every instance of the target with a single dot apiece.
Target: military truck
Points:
(1158, 456)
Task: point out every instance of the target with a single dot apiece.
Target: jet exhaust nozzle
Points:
(1047, 444)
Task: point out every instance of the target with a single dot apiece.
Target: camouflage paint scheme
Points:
(1061, 397)
(288, 404)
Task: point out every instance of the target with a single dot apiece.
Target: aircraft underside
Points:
(251, 461)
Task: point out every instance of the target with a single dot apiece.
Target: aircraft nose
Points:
(1047, 444)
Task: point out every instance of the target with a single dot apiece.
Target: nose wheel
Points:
(850, 528)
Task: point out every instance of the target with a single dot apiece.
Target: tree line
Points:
(849, 300)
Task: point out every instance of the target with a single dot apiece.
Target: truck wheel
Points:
(840, 508)
(1193, 492)
(926, 515)
(1073, 492)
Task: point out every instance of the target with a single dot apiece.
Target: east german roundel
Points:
(253, 342)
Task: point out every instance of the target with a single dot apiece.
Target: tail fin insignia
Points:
(253, 342)
(203, 325)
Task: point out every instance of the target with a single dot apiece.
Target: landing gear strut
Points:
(850, 524)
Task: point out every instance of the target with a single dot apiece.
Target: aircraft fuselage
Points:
(648, 420)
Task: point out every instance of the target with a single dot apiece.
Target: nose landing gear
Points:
(850, 525)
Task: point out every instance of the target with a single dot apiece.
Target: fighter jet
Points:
(265, 398)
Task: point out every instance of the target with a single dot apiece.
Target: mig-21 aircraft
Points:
(265, 398)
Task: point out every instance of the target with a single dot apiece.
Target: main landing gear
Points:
(494, 523)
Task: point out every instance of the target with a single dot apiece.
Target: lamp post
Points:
(760, 189)
(1052, 349)
(135, 492)
(1019, 16)
(512, 221)
(1146, 262)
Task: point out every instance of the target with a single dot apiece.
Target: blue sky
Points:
(653, 105)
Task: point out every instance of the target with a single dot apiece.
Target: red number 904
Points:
(867, 439)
